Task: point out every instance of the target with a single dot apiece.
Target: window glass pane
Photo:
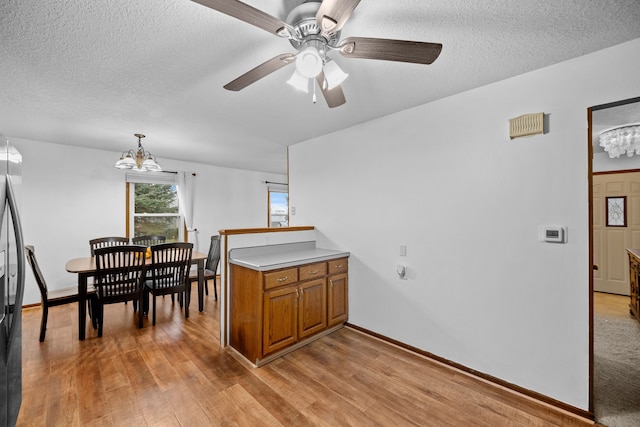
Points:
(155, 211)
(156, 198)
(278, 209)
(157, 225)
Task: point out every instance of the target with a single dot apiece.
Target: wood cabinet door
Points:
(338, 299)
(312, 306)
(280, 318)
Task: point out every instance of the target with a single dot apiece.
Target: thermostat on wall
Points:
(552, 233)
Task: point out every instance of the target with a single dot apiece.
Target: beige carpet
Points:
(616, 349)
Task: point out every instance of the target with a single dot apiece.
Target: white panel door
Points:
(611, 238)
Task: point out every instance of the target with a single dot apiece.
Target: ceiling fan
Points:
(313, 28)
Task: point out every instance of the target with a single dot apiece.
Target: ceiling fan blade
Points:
(260, 71)
(248, 14)
(390, 50)
(334, 97)
(333, 14)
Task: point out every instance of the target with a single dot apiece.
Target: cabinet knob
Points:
(282, 279)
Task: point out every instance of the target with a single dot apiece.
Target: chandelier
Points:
(621, 139)
(138, 160)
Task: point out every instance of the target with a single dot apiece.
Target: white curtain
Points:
(185, 181)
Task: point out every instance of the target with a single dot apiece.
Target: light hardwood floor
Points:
(610, 304)
(176, 374)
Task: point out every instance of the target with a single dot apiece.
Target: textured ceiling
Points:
(94, 72)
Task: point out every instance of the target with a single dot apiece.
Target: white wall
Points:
(445, 179)
(70, 195)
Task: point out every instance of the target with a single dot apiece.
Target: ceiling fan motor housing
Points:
(303, 20)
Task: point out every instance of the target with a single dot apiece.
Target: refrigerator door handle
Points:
(17, 227)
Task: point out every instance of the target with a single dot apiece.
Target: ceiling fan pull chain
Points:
(314, 92)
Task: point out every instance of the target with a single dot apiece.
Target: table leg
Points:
(82, 306)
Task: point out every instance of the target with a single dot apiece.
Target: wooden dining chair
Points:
(148, 240)
(52, 298)
(210, 267)
(119, 278)
(168, 274)
(103, 242)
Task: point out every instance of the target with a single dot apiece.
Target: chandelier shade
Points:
(621, 139)
(139, 159)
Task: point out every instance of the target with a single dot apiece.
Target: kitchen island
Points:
(282, 297)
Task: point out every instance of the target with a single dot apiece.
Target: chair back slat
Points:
(170, 264)
(213, 257)
(119, 271)
(148, 240)
(33, 262)
(103, 242)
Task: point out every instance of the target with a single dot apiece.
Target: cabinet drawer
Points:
(338, 266)
(312, 271)
(279, 278)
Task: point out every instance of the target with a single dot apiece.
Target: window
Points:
(153, 210)
(278, 208)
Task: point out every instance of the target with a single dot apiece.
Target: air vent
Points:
(525, 125)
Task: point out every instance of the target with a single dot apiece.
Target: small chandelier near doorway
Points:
(621, 139)
(138, 160)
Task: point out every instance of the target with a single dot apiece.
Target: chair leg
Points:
(100, 310)
(154, 311)
(215, 288)
(43, 323)
(187, 299)
(92, 312)
(206, 287)
(140, 312)
(145, 301)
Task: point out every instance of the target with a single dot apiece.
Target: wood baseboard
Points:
(486, 378)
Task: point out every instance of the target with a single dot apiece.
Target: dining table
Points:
(86, 268)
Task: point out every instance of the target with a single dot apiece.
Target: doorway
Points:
(607, 235)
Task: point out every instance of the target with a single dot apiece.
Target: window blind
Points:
(169, 178)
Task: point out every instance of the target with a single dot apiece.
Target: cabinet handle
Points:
(313, 272)
(301, 293)
(331, 284)
(282, 279)
(339, 266)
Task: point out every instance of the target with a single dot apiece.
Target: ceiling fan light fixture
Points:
(299, 81)
(333, 74)
(309, 62)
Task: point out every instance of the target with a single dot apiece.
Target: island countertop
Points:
(264, 258)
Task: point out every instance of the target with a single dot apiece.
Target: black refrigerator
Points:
(12, 270)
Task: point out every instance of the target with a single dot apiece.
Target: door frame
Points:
(590, 111)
